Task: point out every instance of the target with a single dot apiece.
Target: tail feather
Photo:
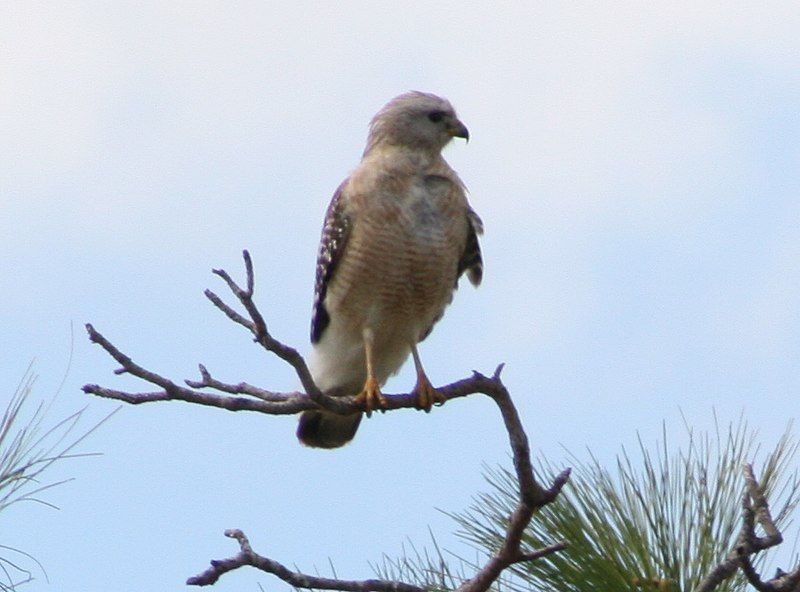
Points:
(320, 429)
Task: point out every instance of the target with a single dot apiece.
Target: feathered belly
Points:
(397, 291)
(395, 280)
(399, 294)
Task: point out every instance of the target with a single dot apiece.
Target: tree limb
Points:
(532, 496)
(247, 556)
(246, 397)
(755, 510)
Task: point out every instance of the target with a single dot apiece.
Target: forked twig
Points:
(755, 511)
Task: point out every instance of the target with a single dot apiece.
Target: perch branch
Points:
(256, 399)
(246, 397)
(532, 496)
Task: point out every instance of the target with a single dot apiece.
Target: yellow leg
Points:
(370, 396)
(424, 391)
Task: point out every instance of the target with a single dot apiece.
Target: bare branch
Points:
(782, 582)
(290, 403)
(285, 402)
(532, 496)
(762, 513)
(247, 556)
(750, 573)
(755, 510)
(788, 582)
(543, 552)
(269, 402)
(246, 397)
(243, 388)
(229, 312)
(258, 327)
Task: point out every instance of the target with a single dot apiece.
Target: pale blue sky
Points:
(637, 170)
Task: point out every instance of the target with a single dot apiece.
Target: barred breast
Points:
(400, 271)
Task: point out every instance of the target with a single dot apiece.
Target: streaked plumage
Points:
(397, 235)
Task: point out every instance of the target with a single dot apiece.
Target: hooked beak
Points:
(458, 130)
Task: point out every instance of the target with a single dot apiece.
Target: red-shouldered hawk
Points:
(398, 234)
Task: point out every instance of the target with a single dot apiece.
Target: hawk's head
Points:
(417, 120)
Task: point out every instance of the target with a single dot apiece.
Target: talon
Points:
(371, 397)
(424, 392)
(426, 395)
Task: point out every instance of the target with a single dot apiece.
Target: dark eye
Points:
(436, 116)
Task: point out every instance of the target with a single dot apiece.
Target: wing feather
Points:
(335, 231)
(471, 259)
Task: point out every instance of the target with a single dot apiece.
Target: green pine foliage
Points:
(660, 520)
(429, 569)
(30, 444)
